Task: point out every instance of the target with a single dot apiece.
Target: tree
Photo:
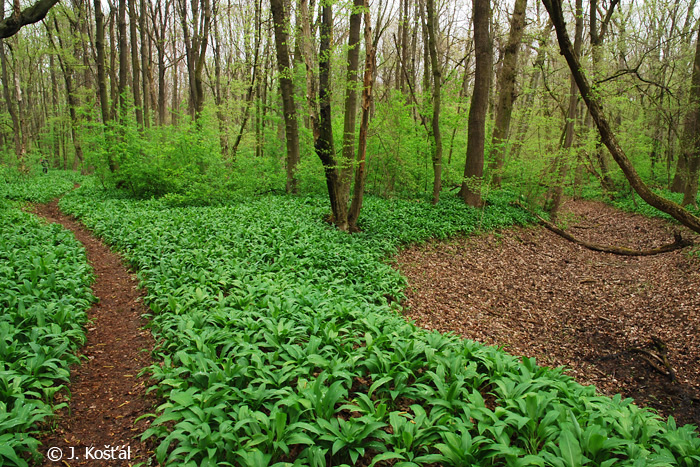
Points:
(436, 98)
(197, 16)
(554, 8)
(691, 132)
(563, 156)
(291, 127)
(506, 90)
(338, 172)
(11, 25)
(474, 166)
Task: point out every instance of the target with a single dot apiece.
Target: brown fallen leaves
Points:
(536, 294)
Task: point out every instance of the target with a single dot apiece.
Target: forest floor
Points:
(609, 319)
(107, 394)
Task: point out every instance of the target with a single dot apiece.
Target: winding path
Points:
(107, 394)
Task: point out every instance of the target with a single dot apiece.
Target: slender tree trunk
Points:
(436, 98)
(524, 123)
(367, 85)
(562, 163)
(123, 67)
(113, 81)
(350, 119)
(324, 143)
(145, 64)
(73, 102)
(506, 86)
(287, 91)
(474, 166)
(101, 76)
(135, 65)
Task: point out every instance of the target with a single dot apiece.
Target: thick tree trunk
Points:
(6, 86)
(437, 98)
(691, 133)
(506, 96)
(476, 129)
(554, 7)
(291, 126)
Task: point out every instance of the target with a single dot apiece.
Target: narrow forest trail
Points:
(106, 393)
(599, 314)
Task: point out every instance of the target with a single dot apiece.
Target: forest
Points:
(350, 232)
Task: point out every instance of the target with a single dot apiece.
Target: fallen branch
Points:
(678, 243)
(657, 361)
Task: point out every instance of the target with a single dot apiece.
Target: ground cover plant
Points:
(280, 341)
(45, 283)
(38, 187)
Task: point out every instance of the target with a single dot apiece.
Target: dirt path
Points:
(106, 393)
(539, 295)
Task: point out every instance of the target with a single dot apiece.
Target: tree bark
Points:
(6, 86)
(145, 64)
(367, 86)
(291, 126)
(562, 160)
(121, 26)
(437, 98)
(682, 215)
(135, 66)
(691, 133)
(350, 117)
(476, 126)
(506, 95)
(324, 143)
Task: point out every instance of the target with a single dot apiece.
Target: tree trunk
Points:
(436, 97)
(324, 143)
(367, 85)
(135, 66)
(562, 161)
(676, 211)
(506, 96)
(524, 124)
(145, 65)
(291, 127)
(6, 86)
(121, 26)
(101, 76)
(691, 133)
(350, 118)
(476, 126)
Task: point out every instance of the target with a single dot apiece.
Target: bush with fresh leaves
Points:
(280, 342)
(45, 284)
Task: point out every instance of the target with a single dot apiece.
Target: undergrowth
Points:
(45, 284)
(280, 343)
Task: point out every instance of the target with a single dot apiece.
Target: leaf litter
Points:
(610, 320)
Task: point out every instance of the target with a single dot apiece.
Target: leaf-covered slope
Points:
(280, 344)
